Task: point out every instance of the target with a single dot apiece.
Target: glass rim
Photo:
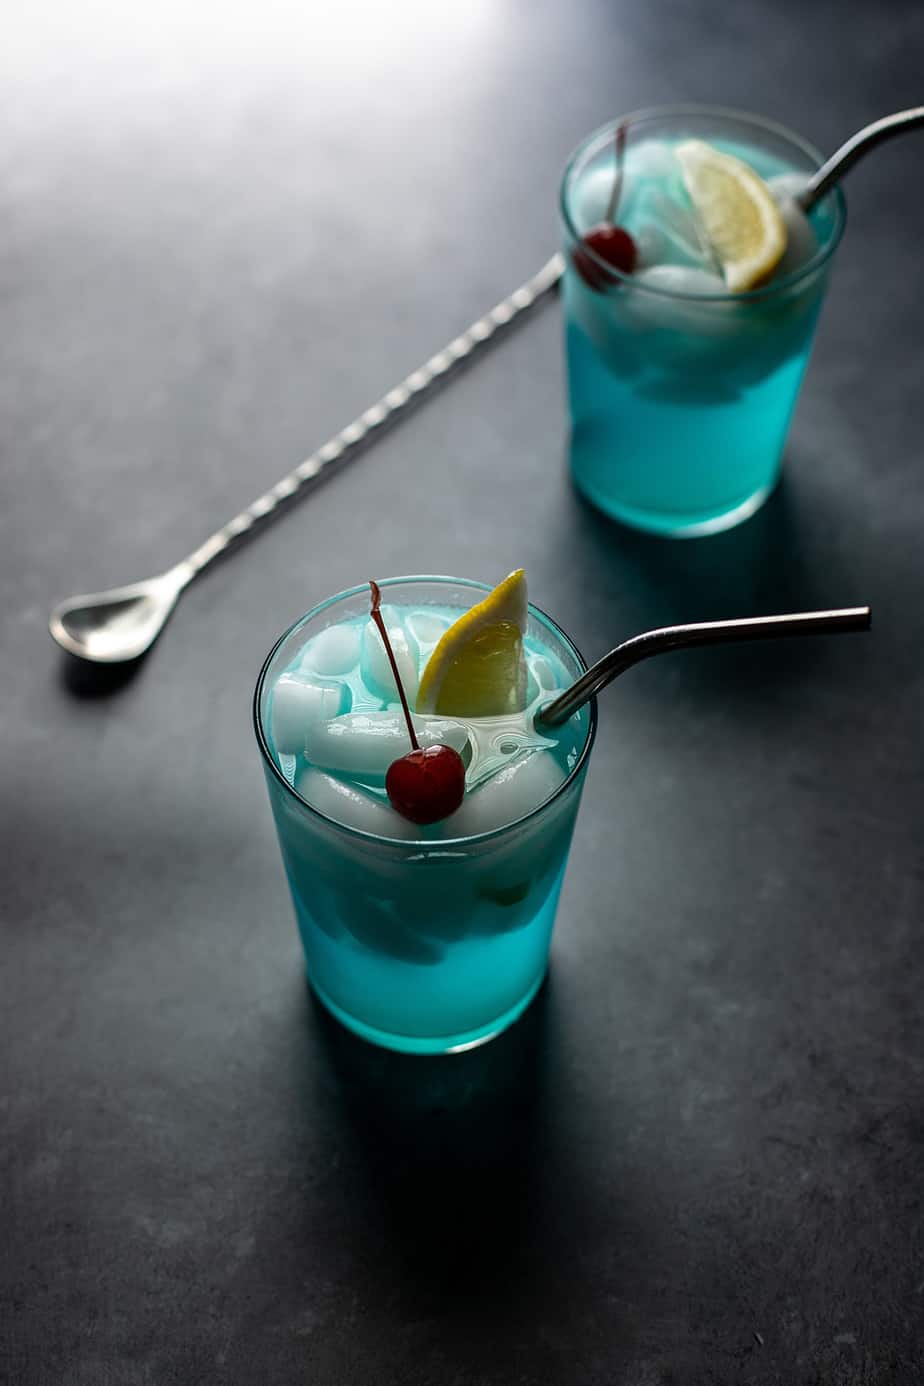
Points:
(648, 113)
(438, 844)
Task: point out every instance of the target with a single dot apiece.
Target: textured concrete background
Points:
(224, 231)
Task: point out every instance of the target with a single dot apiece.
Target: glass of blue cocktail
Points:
(692, 288)
(423, 936)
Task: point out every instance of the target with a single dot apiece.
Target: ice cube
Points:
(364, 744)
(380, 926)
(426, 627)
(691, 321)
(511, 793)
(801, 241)
(687, 320)
(591, 198)
(651, 159)
(346, 804)
(332, 651)
(650, 162)
(542, 673)
(682, 239)
(374, 665)
(681, 279)
(653, 247)
(298, 702)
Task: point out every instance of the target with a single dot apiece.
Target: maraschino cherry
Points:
(425, 785)
(608, 241)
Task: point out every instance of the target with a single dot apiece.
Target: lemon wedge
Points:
(737, 211)
(478, 668)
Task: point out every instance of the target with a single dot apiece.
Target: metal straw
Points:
(653, 642)
(843, 159)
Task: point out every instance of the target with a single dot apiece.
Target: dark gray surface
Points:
(699, 1159)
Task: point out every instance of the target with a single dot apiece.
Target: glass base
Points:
(671, 526)
(437, 1044)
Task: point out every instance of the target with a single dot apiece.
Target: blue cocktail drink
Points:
(422, 937)
(681, 389)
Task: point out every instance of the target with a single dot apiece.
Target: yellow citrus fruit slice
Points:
(478, 668)
(737, 211)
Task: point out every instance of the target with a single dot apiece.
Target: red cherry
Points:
(610, 243)
(426, 785)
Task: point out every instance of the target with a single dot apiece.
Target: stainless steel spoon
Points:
(654, 642)
(843, 159)
(119, 625)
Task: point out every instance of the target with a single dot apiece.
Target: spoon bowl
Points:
(119, 625)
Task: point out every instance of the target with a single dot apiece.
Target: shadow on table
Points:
(449, 1143)
(786, 558)
(776, 560)
(486, 1190)
(84, 679)
(759, 561)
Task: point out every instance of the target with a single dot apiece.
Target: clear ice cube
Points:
(374, 665)
(299, 703)
(426, 627)
(382, 927)
(682, 239)
(516, 789)
(647, 164)
(347, 804)
(801, 241)
(364, 744)
(541, 678)
(680, 279)
(651, 159)
(332, 651)
(591, 198)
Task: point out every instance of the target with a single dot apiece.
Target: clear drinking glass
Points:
(437, 943)
(680, 403)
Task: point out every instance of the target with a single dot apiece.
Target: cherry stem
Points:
(617, 176)
(376, 614)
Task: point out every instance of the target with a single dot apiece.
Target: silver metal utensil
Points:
(843, 159)
(119, 625)
(653, 642)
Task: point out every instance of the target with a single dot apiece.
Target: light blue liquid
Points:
(680, 410)
(667, 456)
(436, 944)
